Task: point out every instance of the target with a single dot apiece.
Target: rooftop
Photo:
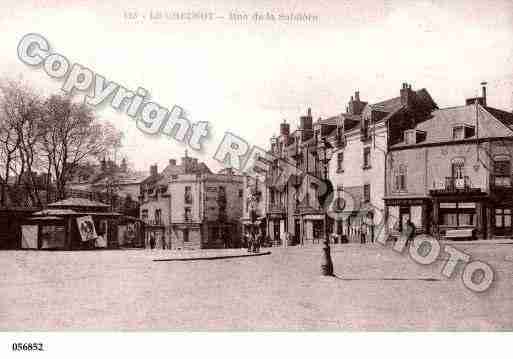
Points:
(77, 202)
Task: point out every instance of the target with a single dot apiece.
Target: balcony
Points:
(454, 185)
(154, 222)
(276, 208)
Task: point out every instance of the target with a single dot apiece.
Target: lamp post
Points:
(112, 186)
(324, 198)
(253, 199)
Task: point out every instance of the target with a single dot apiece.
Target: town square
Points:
(255, 168)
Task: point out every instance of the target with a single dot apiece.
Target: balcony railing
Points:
(457, 183)
(276, 208)
(155, 222)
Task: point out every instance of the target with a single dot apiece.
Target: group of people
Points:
(253, 241)
(153, 242)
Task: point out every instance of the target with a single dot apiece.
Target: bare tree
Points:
(72, 135)
(21, 114)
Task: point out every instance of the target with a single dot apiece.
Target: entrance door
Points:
(502, 221)
(297, 230)
(404, 215)
(276, 231)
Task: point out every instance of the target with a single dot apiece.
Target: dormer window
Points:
(410, 137)
(460, 132)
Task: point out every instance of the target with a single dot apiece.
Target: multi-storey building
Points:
(357, 167)
(359, 142)
(398, 158)
(254, 198)
(188, 207)
(451, 169)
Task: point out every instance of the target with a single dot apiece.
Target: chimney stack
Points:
(153, 170)
(357, 96)
(284, 128)
(305, 122)
(484, 92)
(406, 95)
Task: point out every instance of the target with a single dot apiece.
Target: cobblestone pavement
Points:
(375, 289)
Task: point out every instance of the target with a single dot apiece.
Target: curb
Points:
(210, 258)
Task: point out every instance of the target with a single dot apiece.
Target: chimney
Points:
(355, 106)
(153, 170)
(172, 162)
(284, 128)
(484, 92)
(305, 122)
(406, 95)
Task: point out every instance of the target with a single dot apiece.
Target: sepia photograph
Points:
(175, 169)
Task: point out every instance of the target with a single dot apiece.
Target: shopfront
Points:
(400, 210)
(470, 210)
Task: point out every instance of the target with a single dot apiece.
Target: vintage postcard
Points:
(241, 166)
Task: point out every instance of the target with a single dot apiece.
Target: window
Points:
(502, 172)
(458, 133)
(461, 132)
(366, 157)
(366, 193)
(158, 216)
(400, 179)
(186, 235)
(188, 195)
(187, 214)
(457, 214)
(240, 193)
(144, 214)
(340, 162)
(410, 137)
(502, 217)
(457, 169)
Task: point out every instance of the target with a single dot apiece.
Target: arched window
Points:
(458, 167)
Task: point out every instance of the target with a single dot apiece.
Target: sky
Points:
(248, 76)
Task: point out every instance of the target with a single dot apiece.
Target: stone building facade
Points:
(452, 170)
(186, 206)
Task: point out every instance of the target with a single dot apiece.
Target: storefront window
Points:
(457, 214)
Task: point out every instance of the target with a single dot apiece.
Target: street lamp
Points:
(324, 199)
(253, 200)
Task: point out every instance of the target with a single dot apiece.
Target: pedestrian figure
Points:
(256, 244)
(152, 241)
(410, 231)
